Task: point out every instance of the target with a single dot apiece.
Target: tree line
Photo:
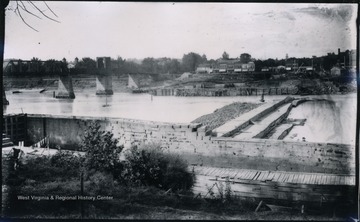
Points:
(164, 65)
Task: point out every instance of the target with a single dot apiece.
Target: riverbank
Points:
(201, 84)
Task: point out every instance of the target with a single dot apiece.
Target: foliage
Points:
(150, 166)
(100, 183)
(225, 55)
(102, 150)
(191, 60)
(61, 166)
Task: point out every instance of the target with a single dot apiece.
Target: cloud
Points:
(341, 13)
(288, 16)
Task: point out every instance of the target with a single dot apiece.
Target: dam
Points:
(239, 153)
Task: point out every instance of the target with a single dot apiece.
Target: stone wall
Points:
(189, 141)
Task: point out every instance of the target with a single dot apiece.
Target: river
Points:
(326, 121)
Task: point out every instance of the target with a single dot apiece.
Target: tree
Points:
(88, 64)
(102, 150)
(203, 57)
(245, 58)
(225, 55)
(149, 65)
(190, 61)
(50, 66)
(173, 66)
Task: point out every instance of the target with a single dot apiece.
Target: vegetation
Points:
(102, 151)
(188, 63)
(97, 173)
(150, 166)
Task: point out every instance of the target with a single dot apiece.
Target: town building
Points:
(226, 66)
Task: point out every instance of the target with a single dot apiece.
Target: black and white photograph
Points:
(179, 110)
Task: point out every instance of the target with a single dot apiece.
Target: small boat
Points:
(43, 90)
(16, 91)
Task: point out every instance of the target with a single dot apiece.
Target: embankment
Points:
(224, 114)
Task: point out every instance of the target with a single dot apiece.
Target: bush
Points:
(62, 165)
(102, 150)
(150, 166)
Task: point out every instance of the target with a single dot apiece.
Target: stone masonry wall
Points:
(189, 141)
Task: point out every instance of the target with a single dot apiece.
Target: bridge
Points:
(65, 86)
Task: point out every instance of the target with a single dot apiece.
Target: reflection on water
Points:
(326, 121)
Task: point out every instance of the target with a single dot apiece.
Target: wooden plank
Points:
(294, 179)
(242, 173)
(281, 177)
(260, 173)
(217, 172)
(306, 178)
(208, 171)
(286, 177)
(212, 171)
(322, 178)
(220, 172)
(266, 176)
(274, 175)
(339, 179)
(277, 176)
(315, 178)
(246, 176)
(228, 172)
(234, 174)
(342, 181)
(352, 180)
(263, 173)
(270, 176)
(256, 175)
(332, 180)
(312, 180)
(252, 174)
(297, 178)
(291, 178)
(326, 179)
(348, 180)
(319, 179)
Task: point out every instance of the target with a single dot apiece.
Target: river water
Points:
(326, 121)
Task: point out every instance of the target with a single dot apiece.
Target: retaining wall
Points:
(189, 141)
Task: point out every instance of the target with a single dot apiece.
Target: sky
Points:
(140, 30)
